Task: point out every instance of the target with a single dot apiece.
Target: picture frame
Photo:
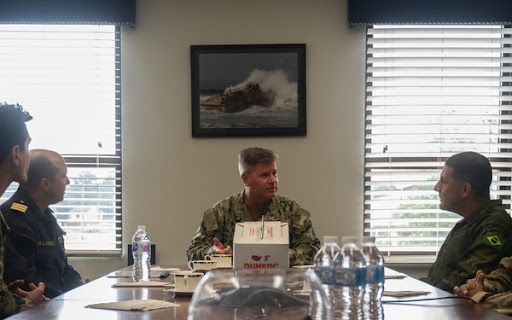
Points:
(248, 90)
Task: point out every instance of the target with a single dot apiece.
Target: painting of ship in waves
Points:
(248, 90)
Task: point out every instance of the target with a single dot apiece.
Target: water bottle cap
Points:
(369, 240)
(331, 239)
(348, 240)
(143, 227)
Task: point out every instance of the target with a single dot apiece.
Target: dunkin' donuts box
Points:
(260, 245)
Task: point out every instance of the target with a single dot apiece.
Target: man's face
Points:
(262, 180)
(23, 161)
(451, 192)
(57, 185)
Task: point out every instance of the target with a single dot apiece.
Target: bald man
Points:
(34, 247)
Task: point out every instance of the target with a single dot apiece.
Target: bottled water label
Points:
(375, 274)
(325, 274)
(141, 247)
(350, 277)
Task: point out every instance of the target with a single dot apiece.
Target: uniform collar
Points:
(482, 212)
(23, 196)
(243, 213)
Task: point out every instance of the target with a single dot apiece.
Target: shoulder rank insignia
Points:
(494, 240)
(19, 207)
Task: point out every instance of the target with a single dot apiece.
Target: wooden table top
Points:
(71, 305)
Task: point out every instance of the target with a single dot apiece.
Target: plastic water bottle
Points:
(374, 279)
(351, 275)
(324, 269)
(141, 250)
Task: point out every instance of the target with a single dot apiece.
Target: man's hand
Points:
(472, 286)
(35, 294)
(15, 285)
(219, 248)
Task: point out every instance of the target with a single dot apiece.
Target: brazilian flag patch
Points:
(494, 240)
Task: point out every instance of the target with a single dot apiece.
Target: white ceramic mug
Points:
(223, 260)
(202, 265)
(186, 281)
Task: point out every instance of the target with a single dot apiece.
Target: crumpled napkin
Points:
(142, 284)
(134, 305)
(404, 293)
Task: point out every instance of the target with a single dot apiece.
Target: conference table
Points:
(71, 305)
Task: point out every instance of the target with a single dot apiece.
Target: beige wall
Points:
(169, 178)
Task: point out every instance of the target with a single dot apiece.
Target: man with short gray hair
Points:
(259, 199)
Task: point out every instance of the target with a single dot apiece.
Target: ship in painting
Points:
(238, 99)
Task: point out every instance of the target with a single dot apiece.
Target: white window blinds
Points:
(68, 78)
(431, 91)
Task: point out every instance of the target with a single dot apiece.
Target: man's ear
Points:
(44, 183)
(244, 177)
(467, 188)
(16, 155)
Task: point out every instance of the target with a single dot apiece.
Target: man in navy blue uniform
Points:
(34, 247)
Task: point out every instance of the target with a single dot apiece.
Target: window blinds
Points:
(68, 77)
(431, 91)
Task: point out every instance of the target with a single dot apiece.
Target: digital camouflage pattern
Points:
(475, 243)
(9, 303)
(497, 292)
(219, 221)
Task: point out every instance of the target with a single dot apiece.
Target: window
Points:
(68, 78)
(431, 91)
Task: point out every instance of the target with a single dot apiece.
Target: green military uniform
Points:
(220, 221)
(9, 303)
(497, 292)
(476, 242)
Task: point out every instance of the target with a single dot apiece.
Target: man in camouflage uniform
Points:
(483, 236)
(258, 171)
(14, 161)
(493, 290)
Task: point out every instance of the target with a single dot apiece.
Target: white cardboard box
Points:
(261, 245)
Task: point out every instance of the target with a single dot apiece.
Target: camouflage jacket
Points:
(219, 221)
(9, 303)
(497, 292)
(476, 242)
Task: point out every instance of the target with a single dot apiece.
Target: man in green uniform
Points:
(14, 161)
(483, 236)
(492, 290)
(258, 171)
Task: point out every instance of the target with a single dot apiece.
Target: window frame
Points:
(435, 163)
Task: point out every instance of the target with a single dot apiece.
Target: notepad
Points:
(156, 272)
(404, 293)
(134, 305)
(141, 284)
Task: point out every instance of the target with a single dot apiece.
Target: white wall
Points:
(169, 178)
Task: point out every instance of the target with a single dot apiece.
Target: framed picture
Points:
(248, 90)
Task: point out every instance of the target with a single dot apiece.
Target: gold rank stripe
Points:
(19, 207)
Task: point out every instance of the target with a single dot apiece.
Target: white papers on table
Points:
(141, 284)
(404, 293)
(134, 305)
